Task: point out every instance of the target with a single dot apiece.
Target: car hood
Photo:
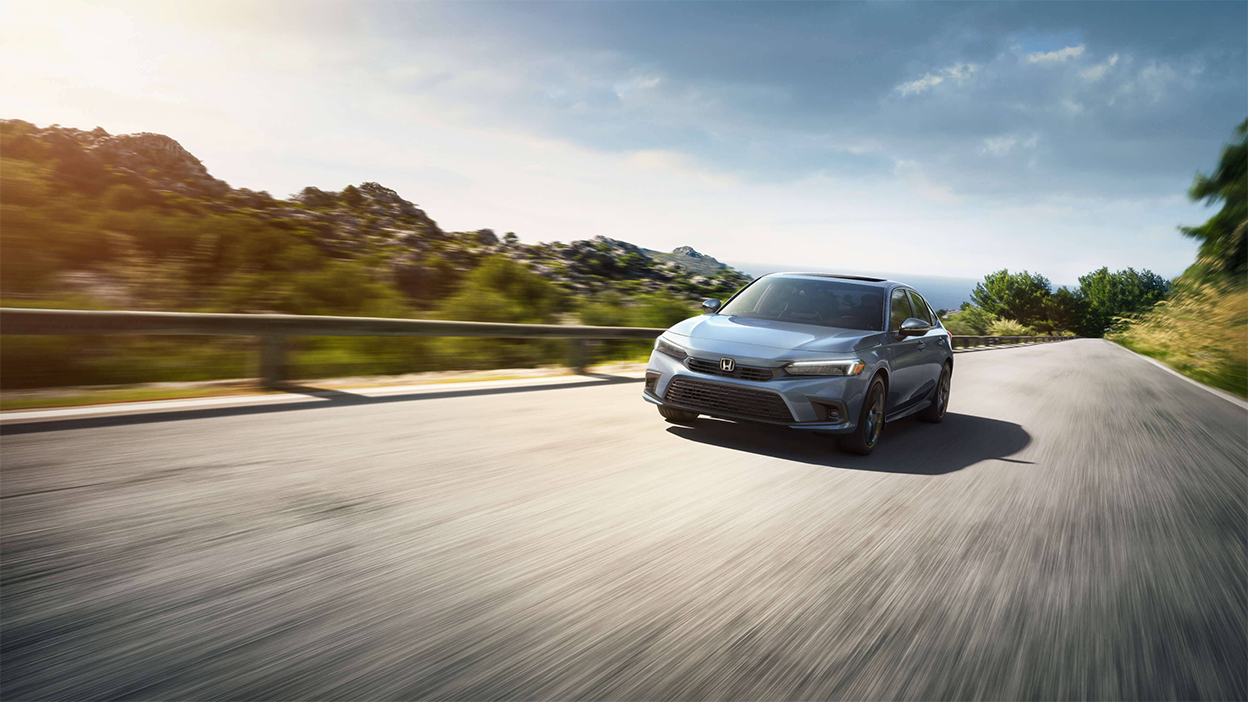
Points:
(771, 334)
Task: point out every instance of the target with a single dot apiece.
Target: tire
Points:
(870, 421)
(935, 412)
(676, 416)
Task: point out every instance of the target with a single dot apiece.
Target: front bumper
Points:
(809, 398)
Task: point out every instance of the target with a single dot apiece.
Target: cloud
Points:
(1098, 71)
(1006, 143)
(1056, 56)
(999, 146)
(634, 83)
(522, 127)
(958, 72)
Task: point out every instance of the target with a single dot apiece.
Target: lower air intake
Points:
(714, 398)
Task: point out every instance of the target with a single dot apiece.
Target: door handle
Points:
(922, 344)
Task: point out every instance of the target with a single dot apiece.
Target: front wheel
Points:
(870, 422)
(935, 412)
(676, 416)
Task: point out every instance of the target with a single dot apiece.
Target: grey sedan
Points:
(829, 353)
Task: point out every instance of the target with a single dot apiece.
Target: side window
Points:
(921, 310)
(899, 309)
(935, 317)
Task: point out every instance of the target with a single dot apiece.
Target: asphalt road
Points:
(1075, 529)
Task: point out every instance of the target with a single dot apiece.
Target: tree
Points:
(511, 239)
(501, 290)
(1017, 296)
(1224, 240)
(970, 321)
(1121, 294)
(1064, 310)
(352, 196)
(661, 309)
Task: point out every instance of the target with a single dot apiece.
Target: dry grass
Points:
(1008, 327)
(1201, 332)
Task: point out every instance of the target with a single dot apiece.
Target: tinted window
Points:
(900, 309)
(921, 310)
(827, 303)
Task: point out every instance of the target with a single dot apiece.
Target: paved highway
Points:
(1075, 529)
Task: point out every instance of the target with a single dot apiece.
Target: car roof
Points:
(875, 282)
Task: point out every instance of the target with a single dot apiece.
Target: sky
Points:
(946, 139)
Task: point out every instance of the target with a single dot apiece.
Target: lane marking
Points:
(1220, 393)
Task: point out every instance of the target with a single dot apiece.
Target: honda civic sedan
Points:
(837, 354)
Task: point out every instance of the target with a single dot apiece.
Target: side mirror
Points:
(914, 327)
(711, 306)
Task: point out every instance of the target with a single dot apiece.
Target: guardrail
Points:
(271, 330)
(966, 342)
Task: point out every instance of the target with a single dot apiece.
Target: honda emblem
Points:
(727, 364)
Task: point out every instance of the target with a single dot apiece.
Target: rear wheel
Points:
(870, 422)
(935, 412)
(676, 416)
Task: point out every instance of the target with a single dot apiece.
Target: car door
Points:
(933, 347)
(905, 358)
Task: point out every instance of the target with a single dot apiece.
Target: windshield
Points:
(827, 303)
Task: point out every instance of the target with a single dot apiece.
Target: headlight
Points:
(849, 366)
(664, 346)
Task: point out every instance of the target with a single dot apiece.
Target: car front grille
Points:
(702, 365)
(713, 398)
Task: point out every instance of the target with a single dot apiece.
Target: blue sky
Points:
(937, 138)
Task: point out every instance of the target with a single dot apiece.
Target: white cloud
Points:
(1006, 143)
(635, 83)
(958, 72)
(1057, 56)
(1155, 80)
(1098, 71)
(999, 146)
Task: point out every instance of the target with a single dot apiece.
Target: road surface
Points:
(1075, 529)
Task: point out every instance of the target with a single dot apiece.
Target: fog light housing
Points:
(829, 411)
(652, 381)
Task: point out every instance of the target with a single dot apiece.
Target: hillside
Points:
(136, 220)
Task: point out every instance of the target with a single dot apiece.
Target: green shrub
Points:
(1008, 327)
(972, 320)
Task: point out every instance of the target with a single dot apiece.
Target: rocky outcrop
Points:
(687, 259)
(368, 219)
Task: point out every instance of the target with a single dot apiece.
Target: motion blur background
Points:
(591, 163)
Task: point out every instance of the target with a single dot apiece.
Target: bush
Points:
(1008, 327)
(501, 290)
(958, 327)
(1199, 331)
(971, 321)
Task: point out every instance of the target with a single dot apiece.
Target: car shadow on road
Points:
(320, 398)
(907, 446)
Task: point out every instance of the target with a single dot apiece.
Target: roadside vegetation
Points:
(1201, 329)
(145, 227)
(80, 233)
(1025, 303)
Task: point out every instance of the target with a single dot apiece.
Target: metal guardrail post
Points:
(272, 360)
(578, 357)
